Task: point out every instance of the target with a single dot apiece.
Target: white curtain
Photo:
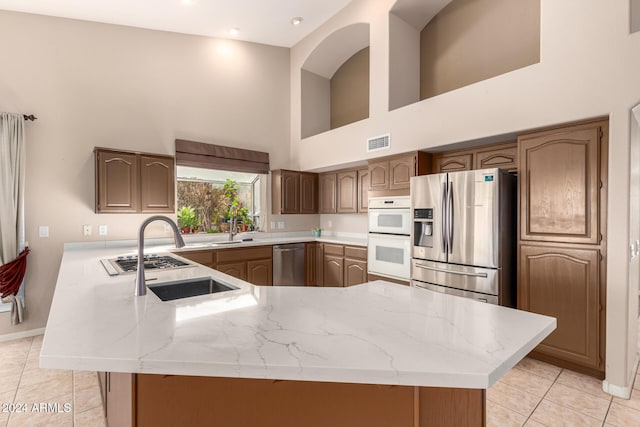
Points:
(12, 179)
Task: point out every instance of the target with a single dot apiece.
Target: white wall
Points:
(588, 68)
(103, 85)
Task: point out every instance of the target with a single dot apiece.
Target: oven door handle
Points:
(461, 273)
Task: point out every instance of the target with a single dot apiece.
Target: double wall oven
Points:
(389, 253)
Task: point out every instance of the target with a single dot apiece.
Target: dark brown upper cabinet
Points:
(453, 163)
(503, 156)
(344, 191)
(560, 184)
(363, 190)
(129, 182)
(347, 186)
(328, 200)
(394, 172)
(157, 184)
(294, 192)
(308, 193)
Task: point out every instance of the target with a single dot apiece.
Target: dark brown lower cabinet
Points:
(310, 268)
(333, 270)
(260, 272)
(235, 269)
(174, 400)
(355, 272)
(564, 282)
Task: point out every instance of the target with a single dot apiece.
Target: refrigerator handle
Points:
(443, 222)
(450, 216)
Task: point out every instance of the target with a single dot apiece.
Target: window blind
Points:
(210, 156)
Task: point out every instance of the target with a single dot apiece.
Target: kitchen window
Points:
(207, 192)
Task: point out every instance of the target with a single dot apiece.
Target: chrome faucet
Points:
(232, 222)
(141, 288)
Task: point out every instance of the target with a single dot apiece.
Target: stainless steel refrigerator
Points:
(463, 234)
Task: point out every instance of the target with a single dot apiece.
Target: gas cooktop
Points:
(129, 263)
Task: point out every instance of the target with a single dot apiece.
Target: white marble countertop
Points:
(376, 333)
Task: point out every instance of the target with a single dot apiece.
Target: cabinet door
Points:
(259, 272)
(559, 186)
(503, 157)
(400, 171)
(363, 190)
(290, 192)
(462, 162)
(235, 269)
(347, 192)
(355, 272)
(328, 193)
(310, 274)
(333, 270)
(116, 182)
(157, 184)
(379, 176)
(320, 264)
(564, 283)
(308, 193)
(119, 399)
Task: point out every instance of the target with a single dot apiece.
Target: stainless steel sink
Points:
(178, 289)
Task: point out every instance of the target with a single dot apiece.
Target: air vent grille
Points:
(379, 142)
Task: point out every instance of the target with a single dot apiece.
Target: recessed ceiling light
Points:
(297, 20)
(234, 31)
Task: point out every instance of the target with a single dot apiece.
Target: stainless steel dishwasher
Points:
(288, 265)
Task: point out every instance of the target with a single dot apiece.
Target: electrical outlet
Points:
(329, 224)
(86, 230)
(43, 231)
(167, 227)
(102, 229)
(273, 225)
(280, 224)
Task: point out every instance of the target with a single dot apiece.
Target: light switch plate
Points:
(280, 224)
(43, 231)
(86, 230)
(102, 229)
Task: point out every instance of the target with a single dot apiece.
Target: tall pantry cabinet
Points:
(562, 249)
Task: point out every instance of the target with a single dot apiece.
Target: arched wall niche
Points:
(335, 81)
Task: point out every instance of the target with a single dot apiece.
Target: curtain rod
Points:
(30, 117)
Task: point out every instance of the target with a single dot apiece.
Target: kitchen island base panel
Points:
(169, 400)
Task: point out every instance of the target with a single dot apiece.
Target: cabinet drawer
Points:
(331, 249)
(244, 254)
(356, 252)
(201, 257)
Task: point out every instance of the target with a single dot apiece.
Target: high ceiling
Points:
(260, 21)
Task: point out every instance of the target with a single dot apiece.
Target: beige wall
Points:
(316, 103)
(404, 63)
(587, 68)
(345, 223)
(473, 40)
(92, 85)
(350, 90)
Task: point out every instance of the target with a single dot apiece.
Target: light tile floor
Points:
(535, 393)
(30, 396)
(531, 394)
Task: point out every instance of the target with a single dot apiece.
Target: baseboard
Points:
(618, 391)
(22, 334)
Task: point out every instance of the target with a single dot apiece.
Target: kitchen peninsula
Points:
(373, 354)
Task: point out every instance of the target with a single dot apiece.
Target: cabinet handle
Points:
(461, 273)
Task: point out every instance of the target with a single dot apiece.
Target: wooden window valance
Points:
(210, 156)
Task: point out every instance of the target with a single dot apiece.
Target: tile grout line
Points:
(15, 392)
(545, 395)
